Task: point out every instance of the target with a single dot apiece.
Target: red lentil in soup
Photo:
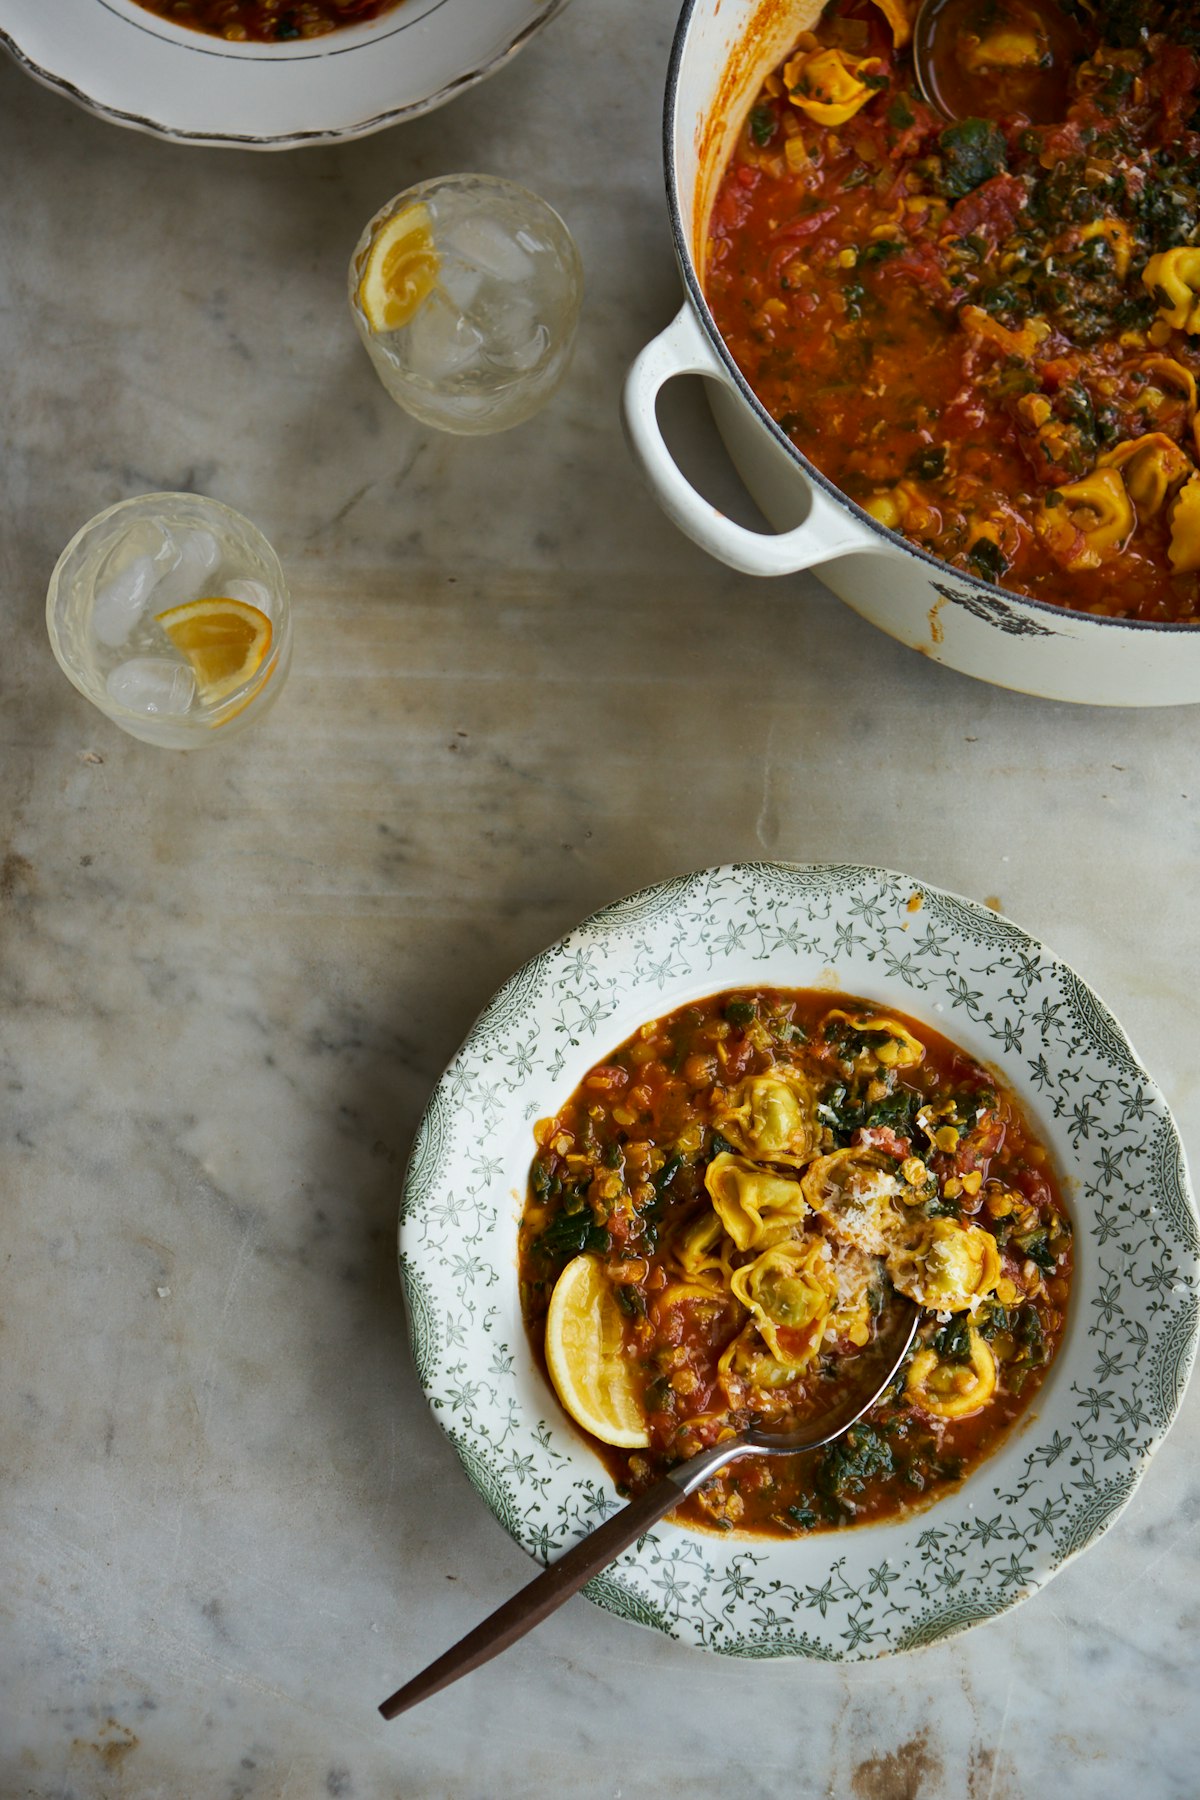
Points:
(986, 332)
(756, 1177)
(268, 21)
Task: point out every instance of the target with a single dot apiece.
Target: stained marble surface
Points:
(229, 980)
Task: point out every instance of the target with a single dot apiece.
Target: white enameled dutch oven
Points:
(722, 51)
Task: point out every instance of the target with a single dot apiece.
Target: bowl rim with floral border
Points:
(1073, 1459)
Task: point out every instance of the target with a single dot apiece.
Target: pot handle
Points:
(683, 349)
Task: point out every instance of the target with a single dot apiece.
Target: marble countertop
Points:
(229, 981)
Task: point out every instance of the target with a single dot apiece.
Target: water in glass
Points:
(171, 614)
(490, 336)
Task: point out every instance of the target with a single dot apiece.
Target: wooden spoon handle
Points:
(540, 1598)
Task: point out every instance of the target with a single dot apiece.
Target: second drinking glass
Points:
(466, 293)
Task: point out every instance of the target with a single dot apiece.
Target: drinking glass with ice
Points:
(466, 293)
(171, 614)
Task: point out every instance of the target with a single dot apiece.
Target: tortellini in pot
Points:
(772, 1116)
(1184, 548)
(1168, 372)
(899, 15)
(756, 1206)
(1087, 520)
(888, 1043)
(790, 1290)
(1151, 466)
(952, 1390)
(1173, 277)
(828, 84)
(945, 1266)
(854, 1191)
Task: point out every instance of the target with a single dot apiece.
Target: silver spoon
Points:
(547, 1591)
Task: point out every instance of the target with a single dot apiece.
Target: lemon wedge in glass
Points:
(400, 270)
(225, 641)
(585, 1353)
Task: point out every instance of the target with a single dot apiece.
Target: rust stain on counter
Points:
(901, 1774)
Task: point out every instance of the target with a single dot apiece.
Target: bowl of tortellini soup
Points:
(690, 1165)
(955, 359)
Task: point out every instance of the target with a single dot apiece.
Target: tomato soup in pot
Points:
(982, 624)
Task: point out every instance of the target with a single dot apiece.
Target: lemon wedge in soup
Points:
(401, 269)
(585, 1354)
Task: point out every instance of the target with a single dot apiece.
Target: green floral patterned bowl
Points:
(1073, 1461)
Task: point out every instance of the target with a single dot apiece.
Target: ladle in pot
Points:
(547, 1591)
(993, 58)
